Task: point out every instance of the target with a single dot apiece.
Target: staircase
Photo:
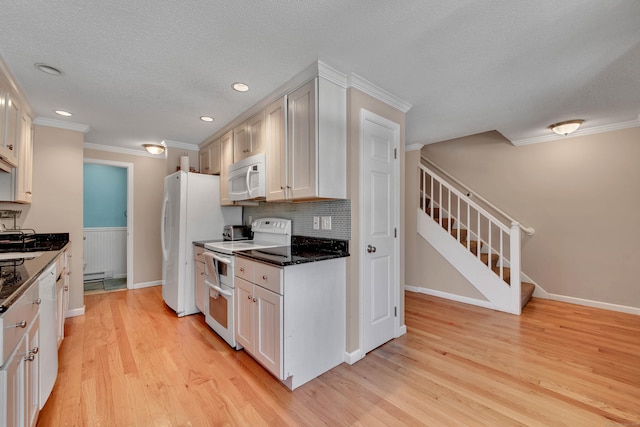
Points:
(479, 246)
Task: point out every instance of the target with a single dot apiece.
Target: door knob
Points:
(371, 249)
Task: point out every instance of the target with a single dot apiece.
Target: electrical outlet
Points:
(326, 223)
(316, 223)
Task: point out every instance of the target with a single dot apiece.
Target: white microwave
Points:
(247, 178)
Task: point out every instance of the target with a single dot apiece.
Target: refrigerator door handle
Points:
(165, 251)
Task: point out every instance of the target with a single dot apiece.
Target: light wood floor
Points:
(131, 362)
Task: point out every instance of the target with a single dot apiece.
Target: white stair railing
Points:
(494, 244)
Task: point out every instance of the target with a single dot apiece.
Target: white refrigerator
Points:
(190, 211)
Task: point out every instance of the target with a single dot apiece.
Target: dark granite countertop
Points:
(302, 250)
(17, 274)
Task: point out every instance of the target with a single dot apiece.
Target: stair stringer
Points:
(497, 292)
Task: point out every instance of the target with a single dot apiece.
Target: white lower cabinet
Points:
(259, 324)
(292, 319)
(198, 277)
(19, 373)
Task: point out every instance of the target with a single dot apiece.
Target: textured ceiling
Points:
(145, 71)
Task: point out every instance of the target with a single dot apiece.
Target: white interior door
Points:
(380, 210)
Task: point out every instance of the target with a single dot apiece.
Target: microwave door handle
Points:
(249, 181)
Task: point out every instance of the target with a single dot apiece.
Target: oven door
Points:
(219, 303)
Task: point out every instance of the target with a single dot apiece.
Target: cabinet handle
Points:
(248, 296)
(10, 147)
(242, 269)
(28, 192)
(38, 301)
(264, 277)
(255, 299)
(22, 324)
(30, 358)
(35, 350)
(66, 288)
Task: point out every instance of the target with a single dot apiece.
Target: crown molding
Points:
(43, 121)
(580, 132)
(181, 145)
(122, 150)
(413, 147)
(377, 92)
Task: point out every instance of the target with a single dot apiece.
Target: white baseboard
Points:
(147, 284)
(75, 312)
(447, 295)
(595, 304)
(353, 357)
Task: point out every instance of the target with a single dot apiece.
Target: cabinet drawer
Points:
(23, 310)
(197, 253)
(269, 277)
(245, 269)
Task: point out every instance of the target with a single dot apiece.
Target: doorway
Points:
(108, 225)
(380, 207)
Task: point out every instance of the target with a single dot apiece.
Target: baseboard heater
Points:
(90, 277)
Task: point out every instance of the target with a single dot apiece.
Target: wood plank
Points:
(131, 361)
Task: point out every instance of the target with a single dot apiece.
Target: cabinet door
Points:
(226, 159)
(32, 373)
(255, 132)
(60, 312)
(244, 314)
(12, 391)
(241, 143)
(268, 333)
(302, 141)
(25, 161)
(12, 136)
(214, 157)
(276, 143)
(200, 286)
(203, 160)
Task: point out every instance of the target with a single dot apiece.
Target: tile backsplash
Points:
(301, 216)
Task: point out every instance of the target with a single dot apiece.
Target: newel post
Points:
(514, 251)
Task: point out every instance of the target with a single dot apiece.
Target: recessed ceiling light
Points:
(49, 69)
(63, 113)
(240, 87)
(206, 118)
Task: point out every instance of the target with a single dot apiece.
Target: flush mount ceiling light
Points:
(63, 113)
(49, 69)
(206, 118)
(154, 148)
(240, 87)
(565, 128)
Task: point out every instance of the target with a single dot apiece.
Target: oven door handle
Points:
(218, 258)
(219, 290)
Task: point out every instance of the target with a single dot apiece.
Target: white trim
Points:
(122, 150)
(130, 211)
(402, 330)
(147, 284)
(364, 85)
(413, 147)
(596, 304)
(581, 132)
(353, 357)
(368, 115)
(60, 124)
(75, 312)
(332, 75)
(449, 296)
(181, 145)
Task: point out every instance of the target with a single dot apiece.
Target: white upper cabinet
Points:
(226, 159)
(9, 129)
(315, 144)
(248, 137)
(210, 158)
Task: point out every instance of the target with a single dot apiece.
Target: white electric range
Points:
(220, 272)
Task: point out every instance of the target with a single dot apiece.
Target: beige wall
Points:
(173, 159)
(148, 186)
(57, 196)
(581, 196)
(356, 101)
